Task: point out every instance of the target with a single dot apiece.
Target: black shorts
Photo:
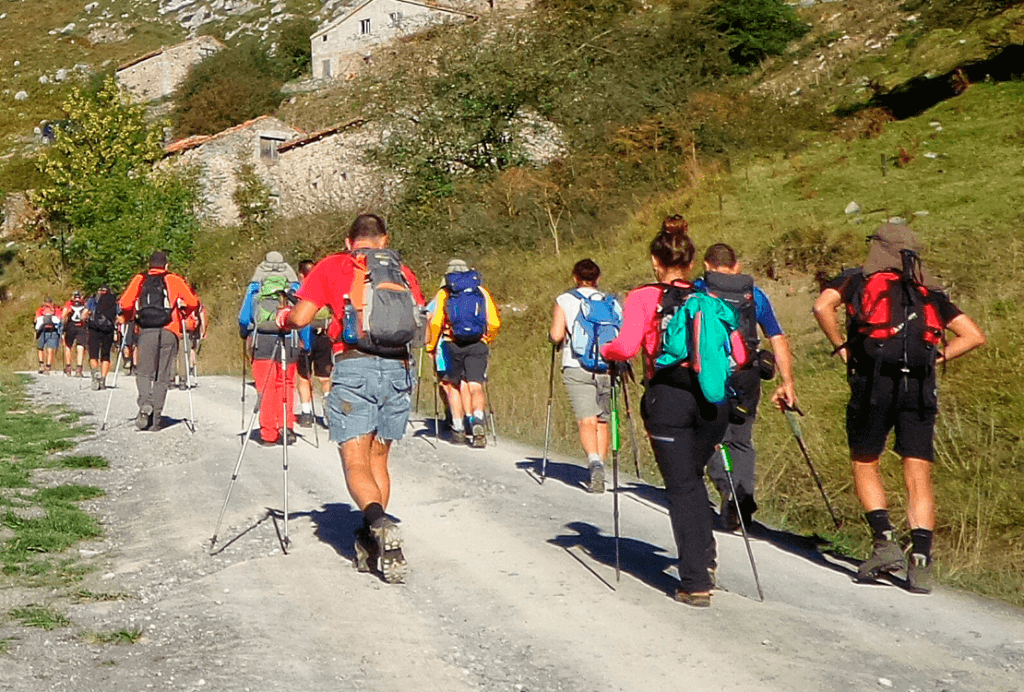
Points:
(76, 335)
(100, 344)
(465, 363)
(320, 357)
(890, 403)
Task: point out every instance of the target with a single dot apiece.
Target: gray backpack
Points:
(384, 303)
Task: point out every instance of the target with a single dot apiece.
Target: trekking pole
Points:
(419, 378)
(243, 381)
(312, 398)
(547, 425)
(284, 435)
(727, 463)
(632, 431)
(794, 425)
(113, 384)
(437, 395)
(615, 470)
(238, 464)
(490, 413)
(188, 379)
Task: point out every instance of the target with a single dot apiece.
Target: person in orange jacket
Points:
(158, 301)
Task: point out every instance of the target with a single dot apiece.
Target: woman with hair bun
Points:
(682, 424)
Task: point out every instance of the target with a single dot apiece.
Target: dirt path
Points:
(512, 585)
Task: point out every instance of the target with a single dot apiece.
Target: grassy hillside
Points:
(770, 176)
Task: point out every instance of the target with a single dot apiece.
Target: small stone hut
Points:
(158, 74)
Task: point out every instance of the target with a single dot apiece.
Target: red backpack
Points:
(894, 320)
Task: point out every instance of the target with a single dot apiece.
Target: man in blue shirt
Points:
(724, 279)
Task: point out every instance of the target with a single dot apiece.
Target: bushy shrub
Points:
(755, 29)
(293, 52)
(227, 88)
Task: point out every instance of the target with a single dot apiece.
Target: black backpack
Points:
(738, 291)
(153, 307)
(104, 314)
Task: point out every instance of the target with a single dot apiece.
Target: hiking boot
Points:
(157, 424)
(479, 440)
(389, 544)
(287, 436)
(183, 386)
(96, 382)
(919, 574)
(697, 599)
(458, 437)
(143, 420)
(265, 443)
(367, 553)
(729, 517)
(40, 368)
(47, 369)
(304, 420)
(713, 576)
(887, 557)
(596, 484)
(67, 370)
(79, 373)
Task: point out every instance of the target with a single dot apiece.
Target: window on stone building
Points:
(268, 148)
(324, 38)
(364, 26)
(396, 18)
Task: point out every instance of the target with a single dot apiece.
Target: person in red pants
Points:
(272, 286)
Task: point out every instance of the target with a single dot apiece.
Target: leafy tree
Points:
(107, 210)
(106, 137)
(227, 88)
(756, 29)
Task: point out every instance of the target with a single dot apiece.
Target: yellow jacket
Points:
(439, 326)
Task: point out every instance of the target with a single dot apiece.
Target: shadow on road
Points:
(642, 560)
(335, 525)
(572, 475)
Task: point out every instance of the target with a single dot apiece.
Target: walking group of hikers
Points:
(351, 322)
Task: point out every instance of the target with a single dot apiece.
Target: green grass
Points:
(43, 617)
(86, 596)
(121, 636)
(45, 521)
(5, 645)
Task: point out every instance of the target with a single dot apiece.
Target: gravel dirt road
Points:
(511, 587)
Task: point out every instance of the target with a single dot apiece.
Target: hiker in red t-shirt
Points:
(368, 406)
(47, 328)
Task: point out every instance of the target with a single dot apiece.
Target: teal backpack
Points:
(701, 332)
(268, 300)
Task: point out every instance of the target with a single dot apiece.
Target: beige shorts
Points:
(590, 393)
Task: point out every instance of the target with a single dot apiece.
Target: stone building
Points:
(327, 170)
(220, 156)
(157, 75)
(341, 46)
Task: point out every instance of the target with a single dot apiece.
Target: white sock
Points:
(594, 458)
(478, 415)
(307, 407)
(457, 424)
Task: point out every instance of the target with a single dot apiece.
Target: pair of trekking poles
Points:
(188, 377)
(279, 348)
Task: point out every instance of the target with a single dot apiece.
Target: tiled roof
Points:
(317, 136)
(183, 145)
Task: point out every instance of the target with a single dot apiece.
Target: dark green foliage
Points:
(229, 87)
(293, 52)
(756, 29)
(40, 616)
(83, 461)
(20, 173)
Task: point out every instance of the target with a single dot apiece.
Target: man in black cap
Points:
(897, 319)
(158, 301)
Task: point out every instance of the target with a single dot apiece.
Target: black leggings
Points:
(684, 429)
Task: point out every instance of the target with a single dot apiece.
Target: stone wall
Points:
(16, 213)
(327, 171)
(220, 156)
(158, 75)
(339, 48)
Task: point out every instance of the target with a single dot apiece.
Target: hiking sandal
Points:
(919, 574)
(389, 542)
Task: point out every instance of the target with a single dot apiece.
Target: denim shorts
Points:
(369, 395)
(48, 340)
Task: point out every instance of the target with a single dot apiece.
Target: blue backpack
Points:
(598, 321)
(466, 307)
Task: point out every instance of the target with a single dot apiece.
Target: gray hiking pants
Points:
(739, 439)
(158, 351)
